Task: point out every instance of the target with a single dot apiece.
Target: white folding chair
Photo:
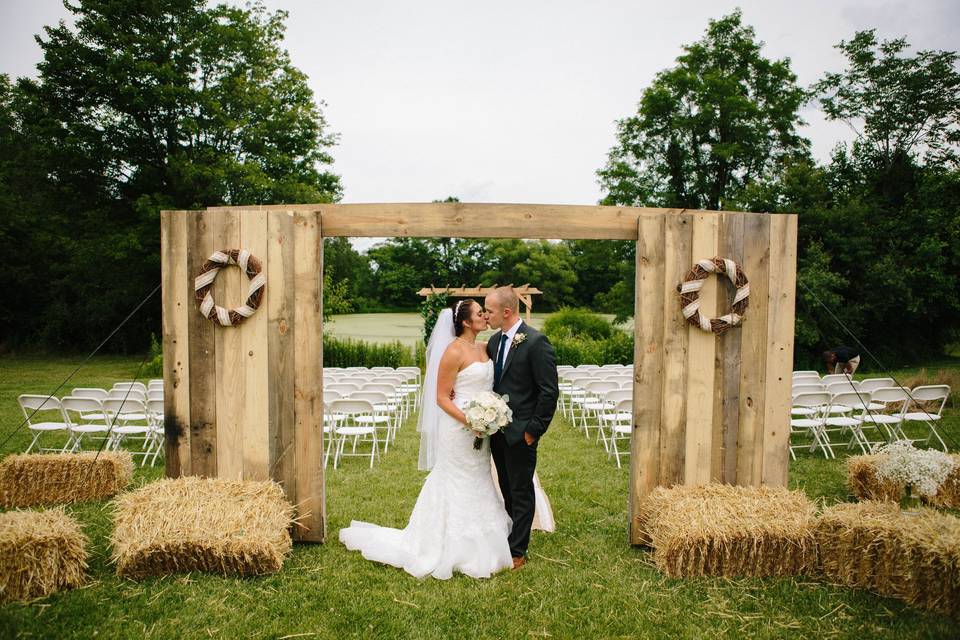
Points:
(593, 403)
(814, 408)
(932, 395)
(89, 392)
(157, 432)
(806, 373)
(350, 411)
(383, 416)
(43, 414)
(620, 428)
(139, 386)
(127, 394)
(86, 417)
(857, 402)
(129, 419)
(835, 377)
(882, 401)
(870, 384)
(609, 417)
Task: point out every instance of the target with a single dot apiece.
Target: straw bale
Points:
(723, 530)
(913, 556)
(41, 552)
(865, 484)
(229, 527)
(59, 478)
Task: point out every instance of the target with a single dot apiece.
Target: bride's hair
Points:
(461, 313)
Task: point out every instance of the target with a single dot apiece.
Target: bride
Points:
(459, 522)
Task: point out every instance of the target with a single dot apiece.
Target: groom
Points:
(525, 369)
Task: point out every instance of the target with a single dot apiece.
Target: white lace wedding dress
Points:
(458, 523)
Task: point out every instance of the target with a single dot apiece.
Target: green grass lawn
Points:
(583, 581)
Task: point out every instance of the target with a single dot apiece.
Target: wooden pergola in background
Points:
(247, 401)
(524, 292)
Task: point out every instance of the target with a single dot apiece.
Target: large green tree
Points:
(723, 117)
(144, 105)
(896, 104)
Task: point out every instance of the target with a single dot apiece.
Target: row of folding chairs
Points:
(83, 418)
(856, 410)
(599, 399)
(365, 409)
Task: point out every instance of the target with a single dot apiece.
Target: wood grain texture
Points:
(780, 326)
(254, 336)
(701, 361)
(280, 311)
(753, 345)
(177, 302)
(677, 260)
(308, 377)
(648, 366)
(202, 347)
(228, 291)
(726, 412)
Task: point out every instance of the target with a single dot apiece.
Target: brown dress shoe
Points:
(519, 562)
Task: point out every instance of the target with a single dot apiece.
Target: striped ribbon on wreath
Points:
(203, 283)
(689, 291)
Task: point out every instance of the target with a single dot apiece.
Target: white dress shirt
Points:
(510, 333)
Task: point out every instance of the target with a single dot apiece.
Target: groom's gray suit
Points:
(529, 377)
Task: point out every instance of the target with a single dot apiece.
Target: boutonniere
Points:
(519, 338)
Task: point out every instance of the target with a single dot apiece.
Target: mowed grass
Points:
(583, 581)
(405, 327)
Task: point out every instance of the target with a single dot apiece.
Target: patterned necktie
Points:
(498, 365)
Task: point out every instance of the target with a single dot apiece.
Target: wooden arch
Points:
(524, 292)
(246, 402)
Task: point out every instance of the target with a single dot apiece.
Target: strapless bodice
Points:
(476, 377)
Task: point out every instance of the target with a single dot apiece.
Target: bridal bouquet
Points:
(487, 413)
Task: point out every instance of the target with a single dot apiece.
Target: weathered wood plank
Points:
(228, 291)
(280, 310)
(648, 365)
(254, 423)
(780, 326)
(753, 346)
(308, 377)
(726, 411)
(701, 362)
(203, 372)
(177, 303)
(677, 260)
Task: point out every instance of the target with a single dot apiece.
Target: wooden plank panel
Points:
(648, 365)
(281, 329)
(308, 377)
(203, 372)
(254, 422)
(677, 260)
(726, 412)
(701, 355)
(753, 346)
(480, 221)
(177, 302)
(780, 321)
(228, 291)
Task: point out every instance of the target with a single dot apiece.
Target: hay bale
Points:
(59, 478)
(911, 556)
(723, 530)
(41, 552)
(865, 484)
(229, 527)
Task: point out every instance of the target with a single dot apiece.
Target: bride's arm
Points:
(446, 376)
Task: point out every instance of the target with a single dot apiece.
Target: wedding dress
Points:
(458, 523)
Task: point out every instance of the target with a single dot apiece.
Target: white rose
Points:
(502, 421)
(490, 414)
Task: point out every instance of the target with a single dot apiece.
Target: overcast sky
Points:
(516, 101)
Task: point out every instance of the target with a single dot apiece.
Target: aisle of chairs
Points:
(863, 413)
(364, 408)
(598, 401)
(128, 415)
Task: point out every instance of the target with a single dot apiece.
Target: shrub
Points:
(580, 336)
(577, 323)
(154, 366)
(357, 353)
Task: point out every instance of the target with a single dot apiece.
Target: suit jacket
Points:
(530, 379)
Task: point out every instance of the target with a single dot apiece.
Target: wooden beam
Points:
(177, 297)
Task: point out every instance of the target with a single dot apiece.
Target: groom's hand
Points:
(529, 439)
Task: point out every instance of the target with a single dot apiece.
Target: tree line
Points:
(192, 105)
